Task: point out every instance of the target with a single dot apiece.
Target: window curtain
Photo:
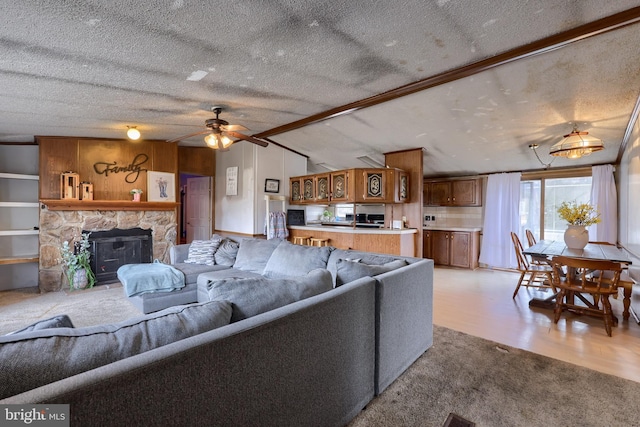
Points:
(501, 216)
(605, 200)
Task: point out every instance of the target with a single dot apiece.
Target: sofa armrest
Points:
(404, 319)
(178, 253)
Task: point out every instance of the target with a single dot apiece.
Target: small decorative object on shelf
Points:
(578, 217)
(76, 263)
(136, 194)
(69, 185)
(86, 190)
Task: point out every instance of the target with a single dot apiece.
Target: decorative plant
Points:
(135, 191)
(578, 214)
(77, 259)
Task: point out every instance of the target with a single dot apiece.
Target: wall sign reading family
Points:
(134, 168)
(161, 187)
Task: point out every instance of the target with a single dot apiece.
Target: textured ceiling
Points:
(90, 68)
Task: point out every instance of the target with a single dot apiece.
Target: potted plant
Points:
(578, 217)
(76, 263)
(136, 194)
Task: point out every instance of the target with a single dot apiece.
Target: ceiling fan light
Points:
(212, 141)
(133, 133)
(576, 144)
(226, 141)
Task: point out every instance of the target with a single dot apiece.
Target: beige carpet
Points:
(101, 304)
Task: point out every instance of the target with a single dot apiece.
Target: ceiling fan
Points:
(220, 133)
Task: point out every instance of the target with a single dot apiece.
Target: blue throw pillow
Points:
(348, 271)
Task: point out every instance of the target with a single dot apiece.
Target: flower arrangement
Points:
(78, 259)
(135, 191)
(578, 214)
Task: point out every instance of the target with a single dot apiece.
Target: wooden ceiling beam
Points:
(547, 44)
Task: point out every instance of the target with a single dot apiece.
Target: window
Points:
(539, 201)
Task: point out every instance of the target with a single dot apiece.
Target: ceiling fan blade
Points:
(189, 135)
(247, 138)
(233, 128)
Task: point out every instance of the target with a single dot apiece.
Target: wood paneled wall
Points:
(114, 167)
(410, 161)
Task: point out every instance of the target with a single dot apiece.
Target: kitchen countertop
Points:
(351, 230)
(469, 229)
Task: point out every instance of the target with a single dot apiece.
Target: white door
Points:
(198, 213)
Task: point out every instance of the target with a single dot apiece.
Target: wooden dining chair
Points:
(530, 237)
(586, 287)
(531, 275)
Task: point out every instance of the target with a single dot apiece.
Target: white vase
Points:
(576, 236)
(80, 279)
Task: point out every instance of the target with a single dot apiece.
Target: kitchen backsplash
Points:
(454, 216)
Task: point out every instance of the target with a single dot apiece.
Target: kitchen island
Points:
(381, 240)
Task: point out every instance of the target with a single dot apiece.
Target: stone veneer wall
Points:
(59, 226)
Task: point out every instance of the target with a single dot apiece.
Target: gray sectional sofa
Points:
(316, 361)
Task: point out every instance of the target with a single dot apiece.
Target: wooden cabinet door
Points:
(322, 188)
(374, 185)
(426, 245)
(295, 190)
(440, 247)
(308, 189)
(465, 192)
(439, 193)
(460, 249)
(341, 186)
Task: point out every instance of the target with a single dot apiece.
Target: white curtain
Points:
(605, 199)
(501, 217)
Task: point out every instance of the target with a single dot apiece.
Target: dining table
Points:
(547, 249)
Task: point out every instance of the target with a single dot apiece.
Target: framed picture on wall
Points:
(271, 185)
(161, 187)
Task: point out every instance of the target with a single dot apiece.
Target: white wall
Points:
(245, 212)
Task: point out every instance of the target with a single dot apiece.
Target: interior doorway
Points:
(197, 208)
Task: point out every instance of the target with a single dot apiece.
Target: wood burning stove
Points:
(114, 248)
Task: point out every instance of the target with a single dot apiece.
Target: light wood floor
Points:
(480, 303)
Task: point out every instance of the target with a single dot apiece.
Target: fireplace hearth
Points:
(114, 248)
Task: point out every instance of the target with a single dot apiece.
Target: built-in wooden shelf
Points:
(106, 205)
(19, 259)
(18, 176)
(25, 232)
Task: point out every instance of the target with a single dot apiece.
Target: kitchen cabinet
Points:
(460, 192)
(452, 248)
(375, 185)
(309, 189)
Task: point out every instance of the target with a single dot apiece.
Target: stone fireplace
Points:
(114, 248)
(59, 225)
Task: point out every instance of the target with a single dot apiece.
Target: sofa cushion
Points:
(202, 251)
(60, 321)
(348, 271)
(253, 254)
(257, 295)
(226, 253)
(192, 271)
(32, 359)
(296, 260)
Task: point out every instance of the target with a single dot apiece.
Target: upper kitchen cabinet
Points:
(309, 189)
(460, 192)
(375, 185)
(342, 186)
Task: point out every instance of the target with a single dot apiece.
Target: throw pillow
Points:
(32, 359)
(253, 254)
(226, 253)
(296, 260)
(201, 252)
(253, 296)
(348, 271)
(61, 321)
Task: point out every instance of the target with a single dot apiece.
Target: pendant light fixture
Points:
(133, 133)
(576, 144)
(217, 141)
